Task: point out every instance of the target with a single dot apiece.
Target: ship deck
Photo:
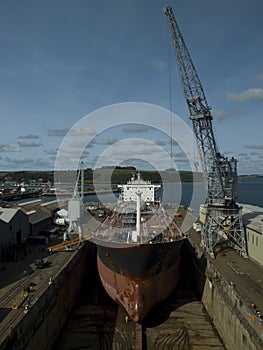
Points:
(155, 225)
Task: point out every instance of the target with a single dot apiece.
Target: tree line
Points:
(118, 175)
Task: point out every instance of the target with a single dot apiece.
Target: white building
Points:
(253, 221)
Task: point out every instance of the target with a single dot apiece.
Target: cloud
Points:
(252, 166)
(95, 158)
(243, 155)
(135, 128)
(58, 132)
(220, 114)
(160, 143)
(30, 136)
(29, 143)
(257, 146)
(139, 149)
(9, 148)
(20, 160)
(228, 153)
(157, 64)
(255, 94)
(27, 163)
(86, 131)
(50, 152)
(106, 141)
(85, 153)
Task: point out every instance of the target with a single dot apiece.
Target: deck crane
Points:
(75, 206)
(223, 217)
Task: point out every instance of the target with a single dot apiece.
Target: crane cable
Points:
(195, 156)
(170, 93)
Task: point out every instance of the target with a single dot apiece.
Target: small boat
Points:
(138, 249)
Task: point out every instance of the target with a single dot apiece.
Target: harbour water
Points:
(250, 191)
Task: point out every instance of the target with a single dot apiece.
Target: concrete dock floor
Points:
(97, 322)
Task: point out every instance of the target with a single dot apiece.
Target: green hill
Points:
(117, 175)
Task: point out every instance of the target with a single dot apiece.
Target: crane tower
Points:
(223, 218)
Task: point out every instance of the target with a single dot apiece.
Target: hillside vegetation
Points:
(117, 175)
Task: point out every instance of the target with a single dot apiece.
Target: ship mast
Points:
(138, 212)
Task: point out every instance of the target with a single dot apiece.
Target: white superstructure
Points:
(130, 190)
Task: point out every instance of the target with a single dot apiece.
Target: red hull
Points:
(139, 295)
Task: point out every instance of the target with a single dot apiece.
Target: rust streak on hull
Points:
(139, 295)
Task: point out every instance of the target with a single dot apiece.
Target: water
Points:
(250, 191)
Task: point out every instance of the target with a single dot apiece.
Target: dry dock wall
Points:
(43, 322)
(236, 325)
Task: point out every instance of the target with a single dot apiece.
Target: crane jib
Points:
(200, 114)
(221, 208)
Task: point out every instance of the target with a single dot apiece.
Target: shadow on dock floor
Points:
(97, 322)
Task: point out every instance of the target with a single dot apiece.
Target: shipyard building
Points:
(23, 222)
(252, 217)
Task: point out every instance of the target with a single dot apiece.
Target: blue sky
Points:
(62, 59)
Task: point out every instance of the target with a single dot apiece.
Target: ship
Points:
(138, 249)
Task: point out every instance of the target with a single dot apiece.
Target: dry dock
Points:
(181, 322)
(210, 309)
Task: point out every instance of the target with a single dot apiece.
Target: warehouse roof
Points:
(30, 205)
(252, 217)
(6, 214)
(52, 205)
(37, 215)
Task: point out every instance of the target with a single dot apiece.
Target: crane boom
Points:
(192, 87)
(221, 173)
(223, 215)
